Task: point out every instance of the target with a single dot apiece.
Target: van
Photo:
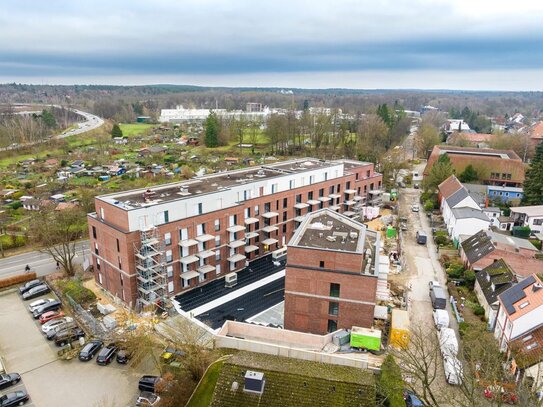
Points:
(448, 342)
(441, 319)
(453, 370)
(438, 297)
(421, 237)
(280, 254)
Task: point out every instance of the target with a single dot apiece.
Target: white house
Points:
(531, 216)
(466, 221)
(493, 214)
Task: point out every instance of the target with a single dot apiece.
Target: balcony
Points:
(349, 203)
(205, 254)
(299, 218)
(350, 191)
(250, 221)
(236, 257)
(301, 205)
(334, 196)
(335, 207)
(205, 238)
(235, 228)
(188, 275)
(236, 243)
(188, 243)
(269, 215)
(189, 259)
(324, 198)
(313, 202)
(250, 235)
(251, 248)
(269, 241)
(269, 229)
(206, 268)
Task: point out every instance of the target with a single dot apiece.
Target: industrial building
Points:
(150, 244)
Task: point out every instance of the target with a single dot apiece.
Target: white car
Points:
(415, 208)
(433, 284)
(38, 303)
(49, 325)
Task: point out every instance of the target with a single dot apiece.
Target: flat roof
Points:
(154, 195)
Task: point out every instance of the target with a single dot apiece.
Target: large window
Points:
(333, 308)
(332, 325)
(334, 290)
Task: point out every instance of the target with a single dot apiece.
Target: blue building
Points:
(512, 195)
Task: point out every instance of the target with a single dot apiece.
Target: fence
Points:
(96, 327)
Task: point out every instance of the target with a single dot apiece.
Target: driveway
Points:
(49, 380)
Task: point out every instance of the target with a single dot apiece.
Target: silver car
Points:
(54, 323)
(38, 303)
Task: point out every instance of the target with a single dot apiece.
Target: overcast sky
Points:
(444, 44)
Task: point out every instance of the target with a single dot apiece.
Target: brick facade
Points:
(113, 245)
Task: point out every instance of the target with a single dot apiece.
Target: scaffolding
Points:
(152, 279)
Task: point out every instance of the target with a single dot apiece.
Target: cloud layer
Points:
(76, 41)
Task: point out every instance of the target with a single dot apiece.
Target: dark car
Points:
(28, 285)
(60, 328)
(89, 350)
(36, 291)
(69, 335)
(52, 306)
(106, 355)
(9, 379)
(123, 356)
(17, 398)
(148, 383)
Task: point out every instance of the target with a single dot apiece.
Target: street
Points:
(40, 263)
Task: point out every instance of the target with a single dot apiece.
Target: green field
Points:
(204, 392)
(135, 129)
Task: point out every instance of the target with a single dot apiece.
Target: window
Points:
(357, 176)
(297, 212)
(365, 189)
(508, 176)
(277, 205)
(334, 290)
(256, 210)
(200, 208)
(321, 264)
(285, 203)
(371, 186)
(121, 278)
(284, 216)
(348, 184)
(311, 179)
(532, 346)
(310, 195)
(524, 304)
(333, 308)
(284, 228)
(166, 216)
(332, 325)
(299, 198)
(291, 184)
(218, 255)
(169, 256)
(367, 173)
(321, 192)
(331, 189)
(118, 246)
(267, 207)
(94, 232)
(169, 270)
(527, 338)
(167, 239)
(274, 188)
(538, 222)
(200, 229)
(217, 225)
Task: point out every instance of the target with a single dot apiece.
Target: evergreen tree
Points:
(469, 174)
(49, 119)
(391, 383)
(116, 131)
(212, 128)
(533, 184)
(384, 113)
(441, 170)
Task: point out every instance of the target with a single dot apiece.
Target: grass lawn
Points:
(134, 129)
(204, 392)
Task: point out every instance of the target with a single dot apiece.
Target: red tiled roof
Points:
(520, 264)
(449, 186)
(536, 131)
(474, 137)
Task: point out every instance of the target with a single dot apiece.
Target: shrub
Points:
(18, 279)
(463, 327)
(428, 206)
(441, 240)
(75, 289)
(16, 205)
(536, 243)
(469, 277)
(478, 310)
(12, 241)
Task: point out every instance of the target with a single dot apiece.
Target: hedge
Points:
(18, 279)
(75, 289)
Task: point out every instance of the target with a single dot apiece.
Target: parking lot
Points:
(49, 380)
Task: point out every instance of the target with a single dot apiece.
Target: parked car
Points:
(36, 291)
(415, 208)
(28, 285)
(9, 379)
(123, 356)
(17, 398)
(50, 315)
(38, 303)
(61, 328)
(433, 284)
(69, 335)
(148, 383)
(52, 306)
(90, 349)
(411, 399)
(421, 237)
(147, 398)
(106, 355)
(50, 325)
(416, 186)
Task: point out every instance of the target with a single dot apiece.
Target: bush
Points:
(536, 243)
(478, 310)
(463, 328)
(75, 289)
(18, 279)
(441, 240)
(428, 206)
(12, 241)
(16, 205)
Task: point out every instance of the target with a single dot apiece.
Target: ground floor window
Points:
(332, 325)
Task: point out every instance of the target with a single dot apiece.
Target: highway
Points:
(40, 263)
(91, 122)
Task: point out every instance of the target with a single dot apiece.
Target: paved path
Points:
(40, 263)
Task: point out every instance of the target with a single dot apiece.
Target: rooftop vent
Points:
(331, 238)
(254, 382)
(536, 287)
(353, 235)
(235, 386)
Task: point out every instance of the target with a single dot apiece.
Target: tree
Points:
(427, 137)
(390, 383)
(49, 119)
(533, 184)
(469, 174)
(116, 131)
(371, 138)
(57, 232)
(441, 170)
(212, 129)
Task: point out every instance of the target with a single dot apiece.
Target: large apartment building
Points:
(149, 244)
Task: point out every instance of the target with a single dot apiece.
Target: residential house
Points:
(531, 216)
(146, 151)
(493, 213)
(28, 161)
(504, 194)
(505, 223)
(77, 164)
(535, 132)
(456, 125)
(58, 198)
(31, 204)
(471, 139)
(116, 170)
(466, 221)
(478, 192)
(51, 162)
(519, 324)
(231, 160)
(120, 140)
(483, 248)
(491, 282)
(62, 206)
(494, 167)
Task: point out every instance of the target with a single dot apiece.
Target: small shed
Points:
(399, 329)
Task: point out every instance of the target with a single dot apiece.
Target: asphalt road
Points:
(40, 263)
(91, 122)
